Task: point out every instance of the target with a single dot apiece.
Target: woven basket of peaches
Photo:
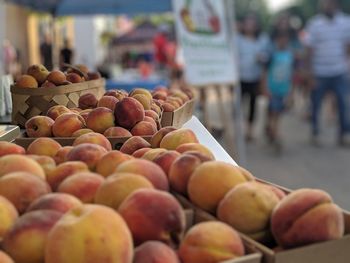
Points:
(38, 90)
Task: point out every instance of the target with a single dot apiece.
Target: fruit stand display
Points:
(167, 194)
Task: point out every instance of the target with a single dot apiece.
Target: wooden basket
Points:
(28, 103)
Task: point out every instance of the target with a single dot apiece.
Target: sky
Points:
(276, 5)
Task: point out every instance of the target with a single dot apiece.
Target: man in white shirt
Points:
(328, 46)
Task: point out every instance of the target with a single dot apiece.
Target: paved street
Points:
(300, 164)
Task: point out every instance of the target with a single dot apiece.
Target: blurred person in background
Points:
(46, 52)
(252, 51)
(160, 43)
(10, 59)
(328, 46)
(279, 83)
(66, 54)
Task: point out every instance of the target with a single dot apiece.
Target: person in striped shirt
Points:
(328, 50)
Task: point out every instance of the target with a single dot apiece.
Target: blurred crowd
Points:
(313, 61)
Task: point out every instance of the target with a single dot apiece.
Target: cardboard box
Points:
(116, 142)
(335, 251)
(199, 216)
(180, 116)
(9, 132)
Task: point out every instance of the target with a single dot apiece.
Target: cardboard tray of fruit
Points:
(335, 251)
(33, 94)
(178, 117)
(252, 255)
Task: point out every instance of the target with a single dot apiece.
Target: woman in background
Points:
(253, 54)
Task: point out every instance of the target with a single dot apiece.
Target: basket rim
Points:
(60, 90)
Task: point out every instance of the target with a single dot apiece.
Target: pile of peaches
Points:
(89, 203)
(116, 114)
(38, 76)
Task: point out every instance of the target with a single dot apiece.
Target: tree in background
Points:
(259, 7)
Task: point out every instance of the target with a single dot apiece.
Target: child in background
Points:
(279, 83)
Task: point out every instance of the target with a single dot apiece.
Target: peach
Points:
(189, 92)
(81, 69)
(110, 162)
(26, 81)
(7, 148)
(179, 94)
(161, 89)
(87, 101)
(133, 144)
(152, 154)
(144, 128)
(195, 147)
(117, 132)
(108, 102)
(63, 171)
(78, 238)
(168, 107)
(116, 93)
(61, 155)
(181, 171)
(76, 109)
(94, 75)
(128, 112)
(59, 202)
(206, 190)
(8, 216)
(156, 108)
(210, 242)
(80, 132)
(39, 126)
(47, 163)
(174, 139)
(22, 188)
(66, 124)
(144, 100)
(57, 77)
(19, 163)
(100, 119)
(88, 153)
(248, 208)
(141, 91)
(141, 152)
(147, 169)
(152, 114)
(159, 95)
(35, 227)
(158, 137)
(94, 138)
(39, 72)
(48, 84)
(200, 156)
(4, 258)
(56, 111)
(162, 216)
(150, 120)
(74, 78)
(306, 216)
(153, 252)
(44, 146)
(165, 160)
(116, 188)
(82, 185)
